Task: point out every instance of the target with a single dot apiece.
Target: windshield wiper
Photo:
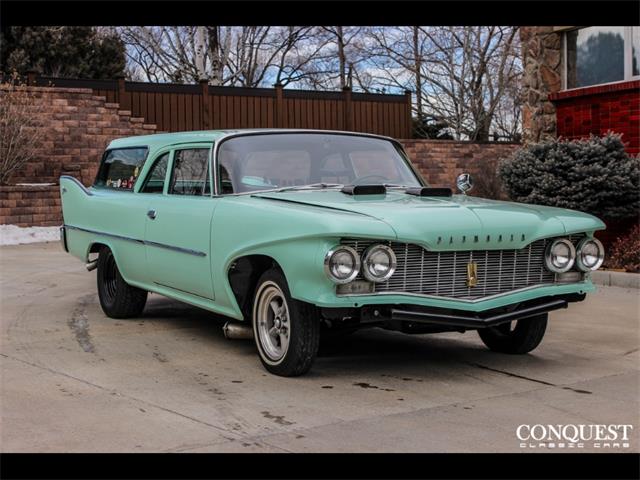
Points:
(311, 186)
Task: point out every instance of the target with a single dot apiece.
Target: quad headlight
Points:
(342, 264)
(590, 254)
(560, 255)
(378, 263)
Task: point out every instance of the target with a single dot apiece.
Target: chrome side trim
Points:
(176, 249)
(453, 299)
(96, 232)
(144, 242)
(77, 182)
(183, 291)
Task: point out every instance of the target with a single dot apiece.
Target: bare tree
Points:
(399, 57)
(244, 56)
(20, 132)
(470, 72)
(462, 77)
(338, 59)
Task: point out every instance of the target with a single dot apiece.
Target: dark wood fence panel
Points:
(175, 108)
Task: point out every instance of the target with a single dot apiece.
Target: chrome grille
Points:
(444, 274)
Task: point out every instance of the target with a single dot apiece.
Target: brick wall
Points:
(77, 127)
(441, 161)
(28, 206)
(596, 110)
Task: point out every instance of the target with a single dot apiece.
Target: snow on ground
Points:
(13, 235)
(35, 184)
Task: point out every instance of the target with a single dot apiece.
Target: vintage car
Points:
(295, 232)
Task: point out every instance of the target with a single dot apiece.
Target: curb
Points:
(616, 279)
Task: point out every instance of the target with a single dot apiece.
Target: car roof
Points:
(160, 140)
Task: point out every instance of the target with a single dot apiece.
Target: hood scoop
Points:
(364, 189)
(429, 191)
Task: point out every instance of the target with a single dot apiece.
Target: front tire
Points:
(118, 299)
(286, 331)
(522, 338)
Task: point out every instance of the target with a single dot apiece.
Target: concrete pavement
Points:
(74, 380)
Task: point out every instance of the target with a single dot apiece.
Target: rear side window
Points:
(190, 172)
(120, 168)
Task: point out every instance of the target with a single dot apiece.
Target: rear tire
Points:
(118, 299)
(286, 331)
(523, 338)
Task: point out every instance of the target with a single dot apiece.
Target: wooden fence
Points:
(175, 107)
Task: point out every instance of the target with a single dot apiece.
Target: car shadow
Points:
(363, 352)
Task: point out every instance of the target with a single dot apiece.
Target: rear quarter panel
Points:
(88, 213)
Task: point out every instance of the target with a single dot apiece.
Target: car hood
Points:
(450, 223)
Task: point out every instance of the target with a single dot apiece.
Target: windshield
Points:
(266, 162)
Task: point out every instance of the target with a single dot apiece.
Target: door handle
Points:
(151, 214)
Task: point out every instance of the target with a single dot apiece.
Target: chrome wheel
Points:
(271, 314)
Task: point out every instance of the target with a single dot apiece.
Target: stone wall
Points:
(441, 161)
(30, 205)
(541, 58)
(77, 127)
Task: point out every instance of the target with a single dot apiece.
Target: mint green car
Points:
(295, 232)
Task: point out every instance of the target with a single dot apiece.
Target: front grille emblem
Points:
(472, 274)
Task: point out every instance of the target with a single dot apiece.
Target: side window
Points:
(190, 172)
(157, 175)
(120, 168)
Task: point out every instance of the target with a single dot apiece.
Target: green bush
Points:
(594, 175)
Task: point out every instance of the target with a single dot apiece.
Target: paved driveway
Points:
(75, 380)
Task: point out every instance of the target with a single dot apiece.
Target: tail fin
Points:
(73, 194)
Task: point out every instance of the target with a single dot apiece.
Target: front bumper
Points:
(464, 320)
(328, 299)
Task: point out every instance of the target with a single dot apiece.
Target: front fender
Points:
(295, 237)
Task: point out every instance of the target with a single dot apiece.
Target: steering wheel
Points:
(358, 181)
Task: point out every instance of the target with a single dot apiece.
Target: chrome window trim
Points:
(189, 146)
(136, 240)
(147, 172)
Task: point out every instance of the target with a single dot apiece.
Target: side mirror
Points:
(464, 182)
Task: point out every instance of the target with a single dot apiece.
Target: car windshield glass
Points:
(274, 161)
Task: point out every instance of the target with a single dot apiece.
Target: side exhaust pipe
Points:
(92, 265)
(237, 331)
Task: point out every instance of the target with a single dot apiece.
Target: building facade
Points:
(580, 81)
